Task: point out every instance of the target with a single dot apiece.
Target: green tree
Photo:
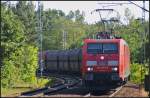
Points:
(128, 16)
(70, 15)
(26, 13)
(79, 17)
(19, 59)
(12, 37)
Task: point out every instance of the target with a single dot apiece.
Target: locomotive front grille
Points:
(109, 63)
(102, 76)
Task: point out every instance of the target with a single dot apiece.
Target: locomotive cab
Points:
(105, 61)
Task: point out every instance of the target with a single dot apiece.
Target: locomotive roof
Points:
(101, 40)
(105, 40)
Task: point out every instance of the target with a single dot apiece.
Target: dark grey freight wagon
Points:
(51, 58)
(60, 61)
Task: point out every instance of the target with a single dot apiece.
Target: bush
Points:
(138, 72)
(21, 66)
(29, 64)
(9, 73)
(43, 82)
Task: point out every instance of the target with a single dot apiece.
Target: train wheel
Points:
(120, 83)
(125, 80)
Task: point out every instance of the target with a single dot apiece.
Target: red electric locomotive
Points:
(105, 61)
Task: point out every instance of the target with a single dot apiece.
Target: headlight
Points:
(112, 63)
(90, 69)
(91, 63)
(114, 69)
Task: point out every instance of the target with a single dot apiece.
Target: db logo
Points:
(102, 57)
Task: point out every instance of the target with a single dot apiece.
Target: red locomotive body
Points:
(105, 61)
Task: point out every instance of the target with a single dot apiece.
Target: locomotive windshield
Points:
(97, 48)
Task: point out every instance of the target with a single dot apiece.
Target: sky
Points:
(89, 6)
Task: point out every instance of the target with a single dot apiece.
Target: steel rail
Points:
(65, 82)
(87, 95)
(66, 85)
(44, 89)
(115, 91)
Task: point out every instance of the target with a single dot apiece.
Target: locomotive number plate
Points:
(102, 63)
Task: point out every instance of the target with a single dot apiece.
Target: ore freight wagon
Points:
(61, 61)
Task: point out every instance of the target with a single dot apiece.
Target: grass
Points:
(22, 87)
(43, 82)
(12, 92)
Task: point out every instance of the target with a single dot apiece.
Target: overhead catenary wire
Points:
(143, 8)
(143, 19)
(102, 20)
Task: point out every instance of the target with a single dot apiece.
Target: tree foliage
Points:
(19, 58)
(27, 15)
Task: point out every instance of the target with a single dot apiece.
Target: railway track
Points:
(63, 82)
(116, 91)
(83, 92)
(68, 82)
(109, 93)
